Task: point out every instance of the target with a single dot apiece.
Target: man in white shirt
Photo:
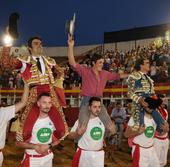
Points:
(161, 142)
(90, 144)
(143, 152)
(41, 134)
(6, 114)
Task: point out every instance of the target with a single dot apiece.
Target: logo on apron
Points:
(96, 133)
(44, 135)
(149, 131)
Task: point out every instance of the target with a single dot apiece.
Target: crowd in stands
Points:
(11, 80)
(118, 61)
(115, 61)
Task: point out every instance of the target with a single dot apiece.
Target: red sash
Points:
(76, 158)
(130, 141)
(163, 112)
(136, 154)
(161, 138)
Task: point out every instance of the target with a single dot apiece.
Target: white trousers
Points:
(1, 158)
(91, 159)
(148, 157)
(45, 161)
(161, 147)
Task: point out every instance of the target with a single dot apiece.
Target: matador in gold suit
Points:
(140, 87)
(40, 72)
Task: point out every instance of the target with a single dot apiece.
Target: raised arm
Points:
(123, 75)
(71, 58)
(22, 103)
(77, 133)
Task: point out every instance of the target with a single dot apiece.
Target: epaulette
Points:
(24, 58)
(136, 75)
(49, 60)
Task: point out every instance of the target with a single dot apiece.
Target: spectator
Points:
(119, 116)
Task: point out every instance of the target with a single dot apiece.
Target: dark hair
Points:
(47, 94)
(139, 62)
(96, 57)
(92, 99)
(31, 39)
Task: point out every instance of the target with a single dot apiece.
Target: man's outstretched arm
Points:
(22, 103)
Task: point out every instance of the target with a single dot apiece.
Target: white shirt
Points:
(119, 115)
(145, 139)
(6, 114)
(41, 133)
(92, 139)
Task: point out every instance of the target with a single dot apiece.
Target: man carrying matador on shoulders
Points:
(41, 73)
(141, 91)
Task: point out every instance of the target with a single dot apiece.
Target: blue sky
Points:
(93, 18)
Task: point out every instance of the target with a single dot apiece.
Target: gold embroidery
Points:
(40, 79)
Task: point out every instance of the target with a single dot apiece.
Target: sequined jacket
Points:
(31, 74)
(139, 85)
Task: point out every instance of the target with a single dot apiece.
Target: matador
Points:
(40, 72)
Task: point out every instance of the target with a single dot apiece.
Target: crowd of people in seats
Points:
(125, 61)
(114, 61)
(11, 79)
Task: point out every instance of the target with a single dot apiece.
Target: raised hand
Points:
(70, 40)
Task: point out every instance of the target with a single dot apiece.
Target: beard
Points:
(45, 110)
(96, 114)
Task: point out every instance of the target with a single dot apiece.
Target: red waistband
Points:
(37, 156)
(26, 160)
(161, 138)
(142, 146)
